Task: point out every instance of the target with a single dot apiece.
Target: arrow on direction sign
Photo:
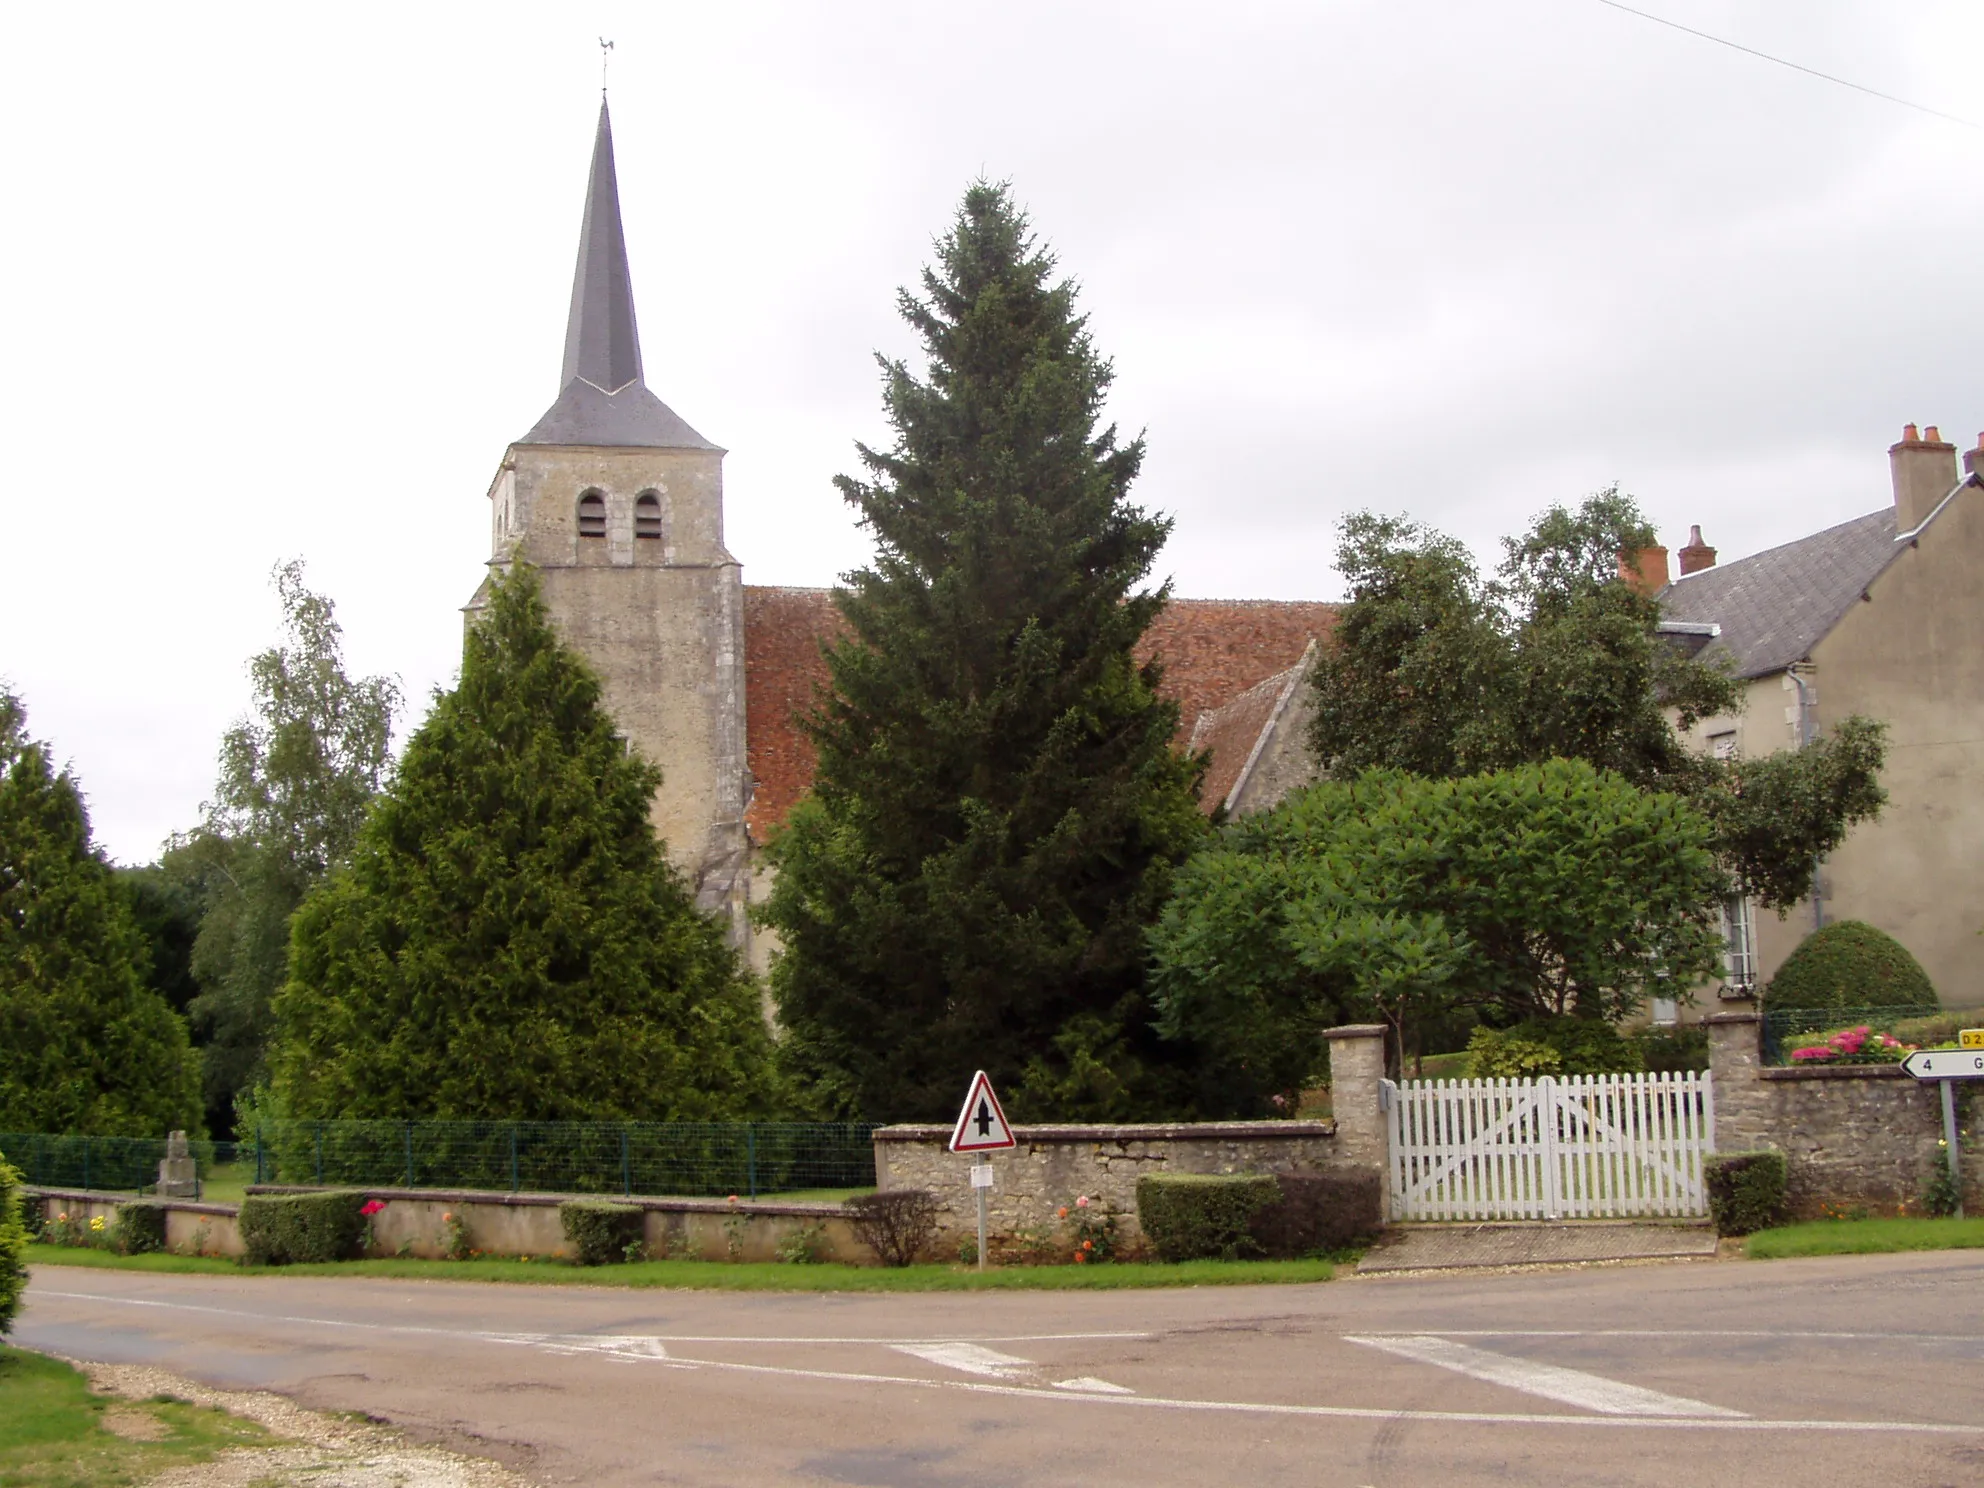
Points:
(1945, 1064)
(982, 1126)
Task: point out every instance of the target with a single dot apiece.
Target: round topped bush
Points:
(1850, 964)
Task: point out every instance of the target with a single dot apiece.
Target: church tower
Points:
(619, 504)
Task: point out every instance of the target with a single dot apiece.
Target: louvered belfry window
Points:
(592, 515)
(647, 515)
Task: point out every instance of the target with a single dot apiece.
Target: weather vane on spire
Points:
(605, 46)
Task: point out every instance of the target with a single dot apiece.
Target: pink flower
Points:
(1082, 1202)
(372, 1207)
(1814, 1053)
(732, 1199)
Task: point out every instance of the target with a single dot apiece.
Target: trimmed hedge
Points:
(1746, 1190)
(285, 1229)
(1849, 964)
(1319, 1212)
(140, 1227)
(598, 1232)
(1192, 1216)
(13, 1247)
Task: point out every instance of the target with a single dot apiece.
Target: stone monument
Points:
(178, 1176)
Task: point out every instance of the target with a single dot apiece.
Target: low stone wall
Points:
(1054, 1165)
(414, 1223)
(191, 1228)
(1855, 1135)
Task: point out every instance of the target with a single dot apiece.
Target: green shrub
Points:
(13, 1247)
(1674, 1050)
(1849, 964)
(1551, 1046)
(898, 1224)
(140, 1227)
(1745, 1190)
(1190, 1216)
(1319, 1212)
(599, 1232)
(284, 1229)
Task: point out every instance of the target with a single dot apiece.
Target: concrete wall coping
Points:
(125, 1196)
(1835, 1072)
(809, 1210)
(1204, 1131)
(1738, 1015)
(1356, 1030)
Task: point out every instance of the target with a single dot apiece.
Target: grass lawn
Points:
(740, 1277)
(55, 1434)
(1864, 1237)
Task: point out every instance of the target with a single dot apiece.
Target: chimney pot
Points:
(1909, 434)
(1973, 460)
(1697, 555)
(1932, 435)
(1923, 470)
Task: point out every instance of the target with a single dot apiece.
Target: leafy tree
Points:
(88, 1046)
(296, 776)
(1440, 671)
(1850, 964)
(13, 1247)
(507, 940)
(997, 808)
(1552, 891)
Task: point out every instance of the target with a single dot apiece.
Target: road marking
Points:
(1590, 1392)
(1705, 1333)
(1150, 1402)
(968, 1357)
(1088, 1384)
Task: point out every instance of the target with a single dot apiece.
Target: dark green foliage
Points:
(997, 807)
(167, 911)
(302, 1229)
(1745, 1190)
(1540, 891)
(1195, 1216)
(1849, 964)
(1435, 670)
(296, 777)
(139, 1228)
(898, 1224)
(1318, 1212)
(1674, 1050)
(600, 1233)
(507, 940)
(13, 1247)
(85, 1044)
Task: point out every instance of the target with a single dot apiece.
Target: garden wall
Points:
(191, 1228)
(1864, 1136)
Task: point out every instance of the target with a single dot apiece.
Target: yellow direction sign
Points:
(1971, 1038)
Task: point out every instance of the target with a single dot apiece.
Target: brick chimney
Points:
(1644, 572)
(1697, 555)
(1924, 469)
(1973, 460)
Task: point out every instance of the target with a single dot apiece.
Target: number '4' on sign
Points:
(982, 1125)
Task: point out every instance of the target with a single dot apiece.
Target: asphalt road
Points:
(1849, 1371)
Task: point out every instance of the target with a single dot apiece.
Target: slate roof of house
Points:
(1231, 731)
(603, 399)
(1775, 606)
(1212, 650)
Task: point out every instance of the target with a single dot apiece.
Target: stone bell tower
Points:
(619, 504)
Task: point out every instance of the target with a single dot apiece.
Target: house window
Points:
(1722, 746)
(592, 515)
(1666, 1012)
(647, 515)
(1739, 943)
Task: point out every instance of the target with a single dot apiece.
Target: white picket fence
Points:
(1586, 1147)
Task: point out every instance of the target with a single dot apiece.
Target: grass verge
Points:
(1864, 1237)
(738, 1277)
(54, 1433)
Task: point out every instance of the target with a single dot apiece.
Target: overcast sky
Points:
(284, 282)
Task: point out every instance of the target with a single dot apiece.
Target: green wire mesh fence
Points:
(1789, 1029)
(680, 1159)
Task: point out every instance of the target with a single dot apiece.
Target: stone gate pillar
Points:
(1735, 1064)
(1357, 1073)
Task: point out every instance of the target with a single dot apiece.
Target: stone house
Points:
(1880, 616)
(618, 503)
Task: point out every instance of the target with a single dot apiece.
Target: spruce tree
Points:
(506, 940)
(86, 1045)
(997, 808)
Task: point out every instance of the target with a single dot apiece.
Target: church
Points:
(618, 503)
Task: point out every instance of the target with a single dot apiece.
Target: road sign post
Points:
(1946, 1067)
(981, 1130)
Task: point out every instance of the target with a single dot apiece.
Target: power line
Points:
(1737, 46)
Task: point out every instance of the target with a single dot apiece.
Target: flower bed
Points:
(1857, 1045)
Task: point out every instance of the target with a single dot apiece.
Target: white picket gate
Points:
(1586, 1147)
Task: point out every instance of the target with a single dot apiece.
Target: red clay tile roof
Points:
(1212, 650)
(1230, 733)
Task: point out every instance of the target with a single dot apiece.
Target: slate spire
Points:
(602, 343)
(603, 399)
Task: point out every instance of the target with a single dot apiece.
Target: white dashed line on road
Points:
(1592, 1392)
(971, 1358)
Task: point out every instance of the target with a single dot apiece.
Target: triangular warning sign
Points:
(981, 1124)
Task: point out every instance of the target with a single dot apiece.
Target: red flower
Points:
(372, 1207)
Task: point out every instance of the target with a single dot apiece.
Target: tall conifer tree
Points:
(507, 940)
(997, 808)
